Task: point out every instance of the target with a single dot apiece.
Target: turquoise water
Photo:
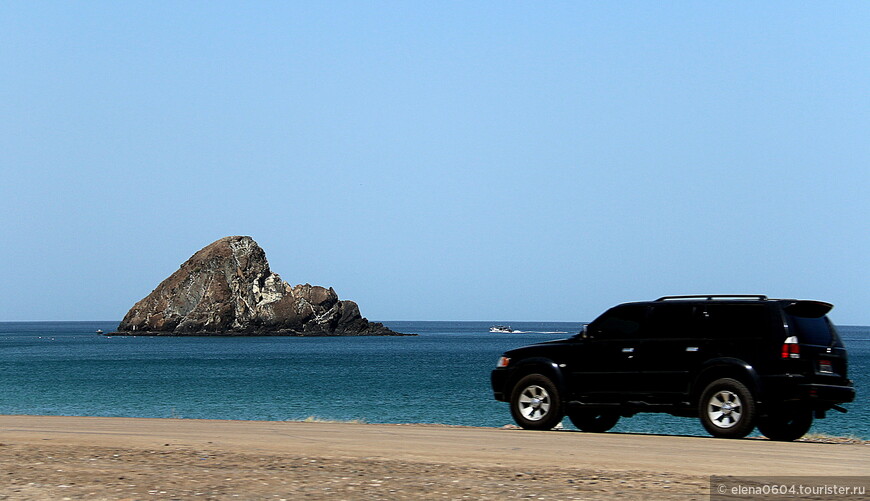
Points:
(440, 376)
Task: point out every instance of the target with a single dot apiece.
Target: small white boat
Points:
(504, 329)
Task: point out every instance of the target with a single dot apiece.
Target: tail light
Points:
(791, 348)
(503, 362)
(826, 367)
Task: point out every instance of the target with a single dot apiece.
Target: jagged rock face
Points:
(227, 288)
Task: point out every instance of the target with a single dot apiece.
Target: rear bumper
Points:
(827, 393)
(790, 388)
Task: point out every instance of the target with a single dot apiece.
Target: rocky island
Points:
(227, 289)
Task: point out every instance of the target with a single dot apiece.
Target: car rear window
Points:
(812, 330)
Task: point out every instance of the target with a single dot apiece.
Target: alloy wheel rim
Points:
(534, 403)
(724, 409)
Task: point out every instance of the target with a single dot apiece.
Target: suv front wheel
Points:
(535, 403)
(727, 409)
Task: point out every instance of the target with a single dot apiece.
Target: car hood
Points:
(543, 344)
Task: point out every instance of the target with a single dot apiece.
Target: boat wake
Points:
(506, 329)
(538, 332)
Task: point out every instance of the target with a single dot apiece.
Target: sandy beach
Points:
(48, 457)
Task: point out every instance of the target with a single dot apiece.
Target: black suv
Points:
(736, 362)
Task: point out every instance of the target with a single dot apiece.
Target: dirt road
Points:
(121, 458)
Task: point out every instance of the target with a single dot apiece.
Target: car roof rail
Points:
(710, 297)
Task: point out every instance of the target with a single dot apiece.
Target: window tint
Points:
(619, 322)
(811, 330)
(728, 321)
(671, 320)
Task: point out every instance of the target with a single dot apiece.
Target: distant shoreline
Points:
(255, 334)
(385, 322)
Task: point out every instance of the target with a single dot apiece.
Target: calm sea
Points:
(440, 376)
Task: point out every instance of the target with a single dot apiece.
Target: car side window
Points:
(620, 322)
(671, 320)
(738, 321)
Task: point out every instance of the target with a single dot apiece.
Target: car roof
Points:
(800, 307)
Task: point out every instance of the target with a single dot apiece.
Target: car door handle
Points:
(628, 350)
(692, 348)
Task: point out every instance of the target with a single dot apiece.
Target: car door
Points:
(673, 347)
(604, 365)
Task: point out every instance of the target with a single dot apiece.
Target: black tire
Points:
(593, 421)
(535, 403)
(727, 409)
(786, 424)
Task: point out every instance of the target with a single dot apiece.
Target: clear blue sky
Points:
(438, 160)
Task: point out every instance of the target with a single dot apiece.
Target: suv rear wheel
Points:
(727, 409)
(535, 403)
(786, 424)
(592, 421)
